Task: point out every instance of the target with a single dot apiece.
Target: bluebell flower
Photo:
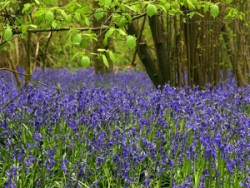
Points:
(64, 163)
(37, 137)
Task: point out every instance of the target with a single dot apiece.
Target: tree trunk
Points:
(146, 56)
(157, 30)
(98, 63)
(228, 38)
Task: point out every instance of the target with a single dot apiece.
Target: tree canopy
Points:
(177, 41)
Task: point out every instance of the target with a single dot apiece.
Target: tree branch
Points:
(60, 29)
(6, 69)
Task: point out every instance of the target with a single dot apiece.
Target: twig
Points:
(6, 69)
(39, 82)
(61, 29)
(46, 48)
(3, 43)
(138, 41)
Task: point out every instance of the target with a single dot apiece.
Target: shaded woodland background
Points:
(184, 42)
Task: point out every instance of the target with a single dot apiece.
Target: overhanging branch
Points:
(18, 31)
(60, 29)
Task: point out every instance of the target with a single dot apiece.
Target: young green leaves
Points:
(99, 14)
(7, 35)
(151, 10)
(105, 60)
(49, 17)
(85, 61)
(214, 10)
(77, 38)
(131, 42)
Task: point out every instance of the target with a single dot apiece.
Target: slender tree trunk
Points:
(28, 64)
(99, 65)
(157, 30)
(146, 56)
(228, 38)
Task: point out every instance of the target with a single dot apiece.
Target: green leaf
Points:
(101, 50)
(64, 14)
(83, 43)
(105, 60)
(32, 26)
(108, 34)
(214, 10)
(151, 10)
(85, 61)
(24, 29)
(7, 35)
(190, 4)
(122, 22)
(133, 8)
(86, 20)
(99, 14)
(206, 7)
(49, 16)
(52, 2)
(77, 39)
(77, 16)
(131, 42)
(77, 54)
(69, 19)
(121, 32)
(37, 2)
(40, 13)
(54, 24)
(167, 6)
(108, 3)
(27, 8)
(111, 56)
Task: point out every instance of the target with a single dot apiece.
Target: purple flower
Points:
(11, 174)
(230, 165)
(64, 163)
(146, 181)
(202, 183)
(99, 161)
(37, 137)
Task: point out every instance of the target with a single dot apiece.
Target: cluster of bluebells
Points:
(77, 129)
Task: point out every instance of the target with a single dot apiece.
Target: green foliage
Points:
(123, 21)
(214, 10)
(7, 35)
(27, 9)
(105, 60)
(108, 34)
(151, 10)
(49, 17)
(99, 14)
(77, 39)
(190, 4)
(85, 61)
(131, 42)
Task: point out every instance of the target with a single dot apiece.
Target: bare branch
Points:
(60, 29)
(6, 69)
(46, 48)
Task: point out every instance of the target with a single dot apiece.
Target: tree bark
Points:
(146, 56)
(157, 30)
(100, 34)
